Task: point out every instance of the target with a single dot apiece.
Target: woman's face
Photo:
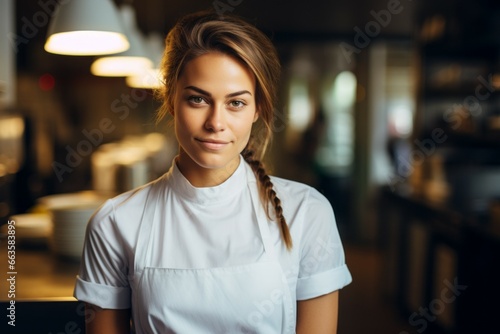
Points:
(214, 109)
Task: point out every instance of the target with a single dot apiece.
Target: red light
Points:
(46, 82)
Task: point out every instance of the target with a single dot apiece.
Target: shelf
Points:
(445, 247)
(459, 93)
(467, 140)
(441, 216)
(460, 50)
(488, 140)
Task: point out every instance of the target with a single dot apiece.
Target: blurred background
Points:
(390, 108)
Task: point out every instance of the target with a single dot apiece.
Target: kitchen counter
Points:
(40, 274)
(433, 251)
(443, 214)
(43, 287)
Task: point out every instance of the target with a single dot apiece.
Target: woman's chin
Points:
(217, 162)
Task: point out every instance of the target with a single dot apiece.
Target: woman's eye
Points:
(196, 99)
(237, 104)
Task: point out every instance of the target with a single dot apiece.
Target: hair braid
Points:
(268, 195)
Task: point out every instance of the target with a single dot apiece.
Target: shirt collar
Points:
(208, 195)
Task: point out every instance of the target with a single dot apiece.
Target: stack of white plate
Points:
(71, 199)
(69, 224)
(70, 215)
(30, 228)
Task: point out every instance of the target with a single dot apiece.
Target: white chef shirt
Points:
(206, 228)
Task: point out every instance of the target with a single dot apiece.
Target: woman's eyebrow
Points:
(204, 92)
(241, 92)
(199, 90)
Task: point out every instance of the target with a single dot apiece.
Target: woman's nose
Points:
(216, 119)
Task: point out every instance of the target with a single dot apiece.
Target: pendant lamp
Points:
(150, 78)
(134, 60)
(86, 27)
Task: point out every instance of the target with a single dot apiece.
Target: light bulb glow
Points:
(85, 43)
(148, 79)
(118, 66)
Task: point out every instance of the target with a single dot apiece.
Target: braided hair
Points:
(204, 32)
(268, 194)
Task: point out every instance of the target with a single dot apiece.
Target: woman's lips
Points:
(211, 144)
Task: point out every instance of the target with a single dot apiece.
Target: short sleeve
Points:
(103, 280)
(322, 267)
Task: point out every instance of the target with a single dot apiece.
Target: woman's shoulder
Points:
(294, 187)
(125, 207)
(294, 191)
(137, 197)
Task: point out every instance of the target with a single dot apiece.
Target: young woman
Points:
(215, 245)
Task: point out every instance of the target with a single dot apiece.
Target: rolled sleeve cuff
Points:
(323, 283)
(103, 296)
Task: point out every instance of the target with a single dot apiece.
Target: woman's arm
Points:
(318, 315)
(106, 320)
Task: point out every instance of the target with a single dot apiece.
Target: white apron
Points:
(250, 298)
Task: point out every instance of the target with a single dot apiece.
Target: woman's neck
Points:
(200, 176)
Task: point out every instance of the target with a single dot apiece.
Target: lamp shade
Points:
(134, 60)
(86, 27)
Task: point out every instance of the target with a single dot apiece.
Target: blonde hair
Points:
(204, 32)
